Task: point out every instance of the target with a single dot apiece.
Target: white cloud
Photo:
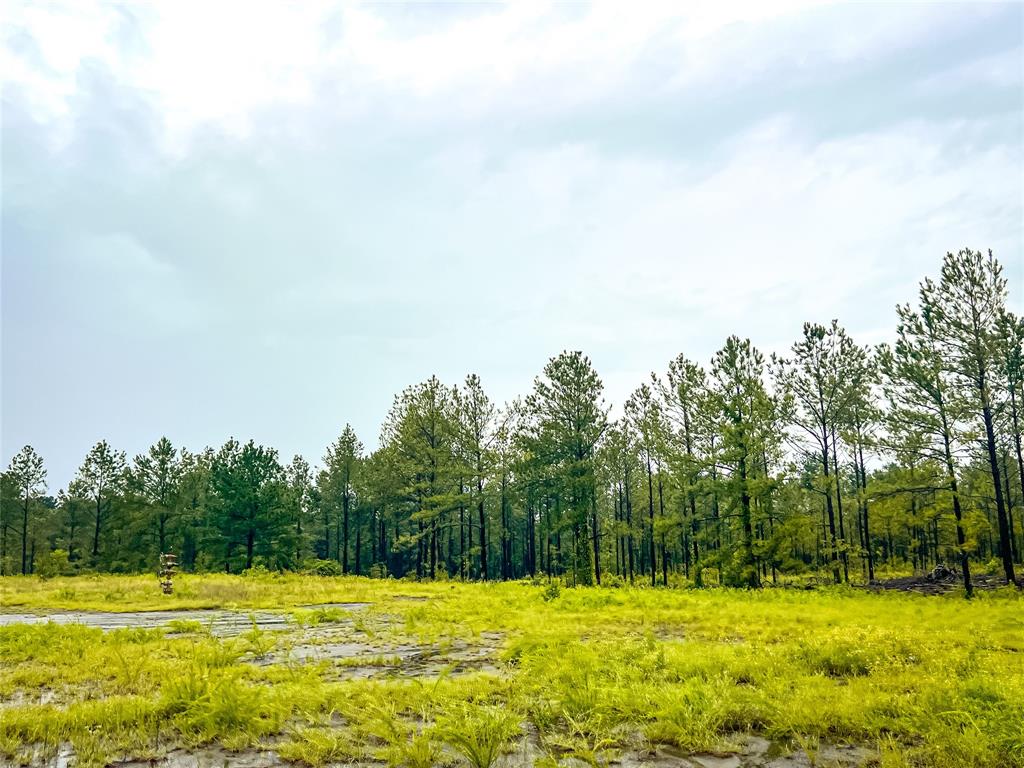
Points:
(635, 250)
(221, 63)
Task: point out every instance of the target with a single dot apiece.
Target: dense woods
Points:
(835, 459)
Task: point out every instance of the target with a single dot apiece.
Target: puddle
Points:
(34, 698)
(221, 623)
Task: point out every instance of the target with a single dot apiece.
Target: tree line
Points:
(834, 459)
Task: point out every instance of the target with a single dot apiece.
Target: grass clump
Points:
(317, 747)
(480, 733)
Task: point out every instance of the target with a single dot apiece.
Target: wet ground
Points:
(748, 752)
(220, 623)
(346, 650)
(350, 643)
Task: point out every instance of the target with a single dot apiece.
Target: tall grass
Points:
(920, 681)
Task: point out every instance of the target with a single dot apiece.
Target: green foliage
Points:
(322, 567)
(552, 591)
(55, 563)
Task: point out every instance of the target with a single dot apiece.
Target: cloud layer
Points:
(264, 220)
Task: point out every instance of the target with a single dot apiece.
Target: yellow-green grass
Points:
(920, 681)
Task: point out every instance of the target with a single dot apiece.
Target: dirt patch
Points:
(935, 583)
(208, 757)
(353, 655)
(750, 751)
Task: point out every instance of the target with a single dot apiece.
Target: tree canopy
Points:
(831, 459)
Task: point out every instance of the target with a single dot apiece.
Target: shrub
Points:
(54, 563)
(257, 570)
(322, 567)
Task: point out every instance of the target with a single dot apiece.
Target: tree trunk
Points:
(96, 531)
(867, 523)
(831, 544)
(965, 564)
(1009, 508)
(24, 535)
(344, 535)
(839, 510)
(250, 542)
(1005, 549)
(359, 547)
(650, 509)
(462, 542)
(597, 536)
(482, 519)
(753, 578)
(661, 511)
(1017, 441)
(629, 530)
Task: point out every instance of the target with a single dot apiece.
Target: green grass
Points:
(920, 681)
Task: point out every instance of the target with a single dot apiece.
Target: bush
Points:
(54, 563)
(322, 567)
(552, 591)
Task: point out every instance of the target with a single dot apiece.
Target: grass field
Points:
(511, 674)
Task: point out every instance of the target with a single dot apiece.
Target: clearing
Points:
(300, 670)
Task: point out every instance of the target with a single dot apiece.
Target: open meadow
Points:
(270, 670)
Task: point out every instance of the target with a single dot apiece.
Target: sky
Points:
(263, 220)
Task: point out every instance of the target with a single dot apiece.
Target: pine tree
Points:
(27, 474)
(568, 419)
(102, 480)
(644, 415)
(965, 308)
(1011, 357)
(476, 433)
(337, 489)
(421, 430)
(299, 478)
(684, 396)
(926, 411)
(250, 501)
(819, 377)
(155, 477)
(747, 420)
(194, 492)
(860, 422)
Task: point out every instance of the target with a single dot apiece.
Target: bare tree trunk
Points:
(867, 524)
(1005, 549)
(483, 523)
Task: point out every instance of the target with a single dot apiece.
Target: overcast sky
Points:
(263, 220)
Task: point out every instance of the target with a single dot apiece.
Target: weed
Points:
(480, 733)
